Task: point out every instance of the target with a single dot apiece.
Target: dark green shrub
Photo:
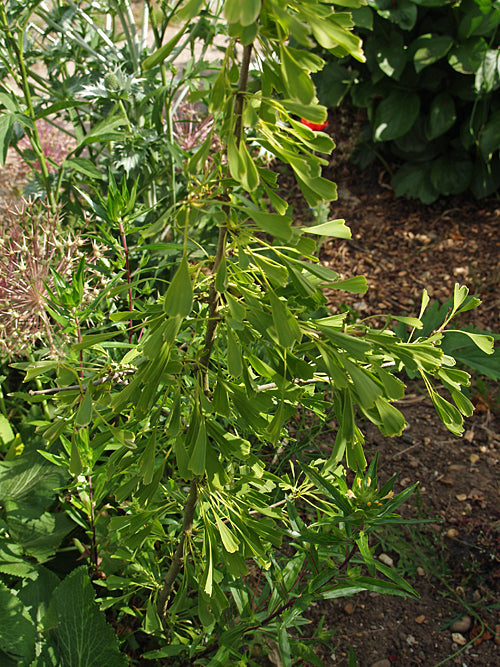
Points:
(429, 87)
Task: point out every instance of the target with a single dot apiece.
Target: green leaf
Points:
(84, 414)
(6, 125)
(277, 225)
(336, 228)
(164, 51)
(466, 58)
(395, 115)
(482, 341)
(17, 631)
(79, 628)
(442, 115)
(198, 456)
(391, 54)
(298, 83)
(229, 540)
(244, 13)
(75, 462)
(451, 175)
(84, 166)
(249, 176)
(234, 364)
(413, 180)
(287, 335)
(179, 296)
(489, 139)
(488, 75)
(6, 432)
(428, 49)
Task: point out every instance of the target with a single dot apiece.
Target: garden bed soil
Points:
(453, 562)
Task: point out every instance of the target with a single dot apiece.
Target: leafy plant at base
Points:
(168, 415)
(429, 87)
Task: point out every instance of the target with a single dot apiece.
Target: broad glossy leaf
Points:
(413, 180)
(442, 115)
(428, 49)
(489, 139)
(395, 115)
(451, 175)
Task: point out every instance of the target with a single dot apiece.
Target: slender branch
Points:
(178, 559)
(82, 387)
(213, 297)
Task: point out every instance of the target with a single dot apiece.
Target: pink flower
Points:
(314, 126)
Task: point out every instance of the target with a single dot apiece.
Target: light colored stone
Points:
(386, 560)
(420, 619)
(497, 634)
(462, 625)
(382, 663)
(452, 533)
(458, 638)
(420, 571)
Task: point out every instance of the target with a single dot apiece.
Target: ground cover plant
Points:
(153, 444)
(429, 89)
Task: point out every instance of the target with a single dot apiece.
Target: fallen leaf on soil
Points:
(481, 636)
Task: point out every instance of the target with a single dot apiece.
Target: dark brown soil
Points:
(453, 563)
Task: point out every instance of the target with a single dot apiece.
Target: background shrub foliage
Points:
(430, 87)
(154, 443)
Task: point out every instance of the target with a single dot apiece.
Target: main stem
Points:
(213, 319)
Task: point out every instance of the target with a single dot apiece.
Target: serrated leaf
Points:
(80, 631)
(17, 631)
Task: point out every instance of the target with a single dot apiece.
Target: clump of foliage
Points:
(430, 88)
(158, 448)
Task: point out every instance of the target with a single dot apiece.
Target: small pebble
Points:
(349, 608)
(420, 619)
(476, 596)
(451, 533)
(497, 634)
(382, 663)
(462, 625)
(387, 560)
(459, 639)
(420, 571)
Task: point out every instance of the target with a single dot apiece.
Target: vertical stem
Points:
(34, 137)
(129, 280)
(213, 298)
(94, 558)
(178, 559)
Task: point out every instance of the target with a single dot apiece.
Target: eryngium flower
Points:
(31, 242)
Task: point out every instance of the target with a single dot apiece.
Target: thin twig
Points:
(82, 387)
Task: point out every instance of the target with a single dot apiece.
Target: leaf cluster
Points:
(429, 87)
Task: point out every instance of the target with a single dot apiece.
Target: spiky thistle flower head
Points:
(31, 243)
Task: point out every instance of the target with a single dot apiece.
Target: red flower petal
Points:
(314, 126)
